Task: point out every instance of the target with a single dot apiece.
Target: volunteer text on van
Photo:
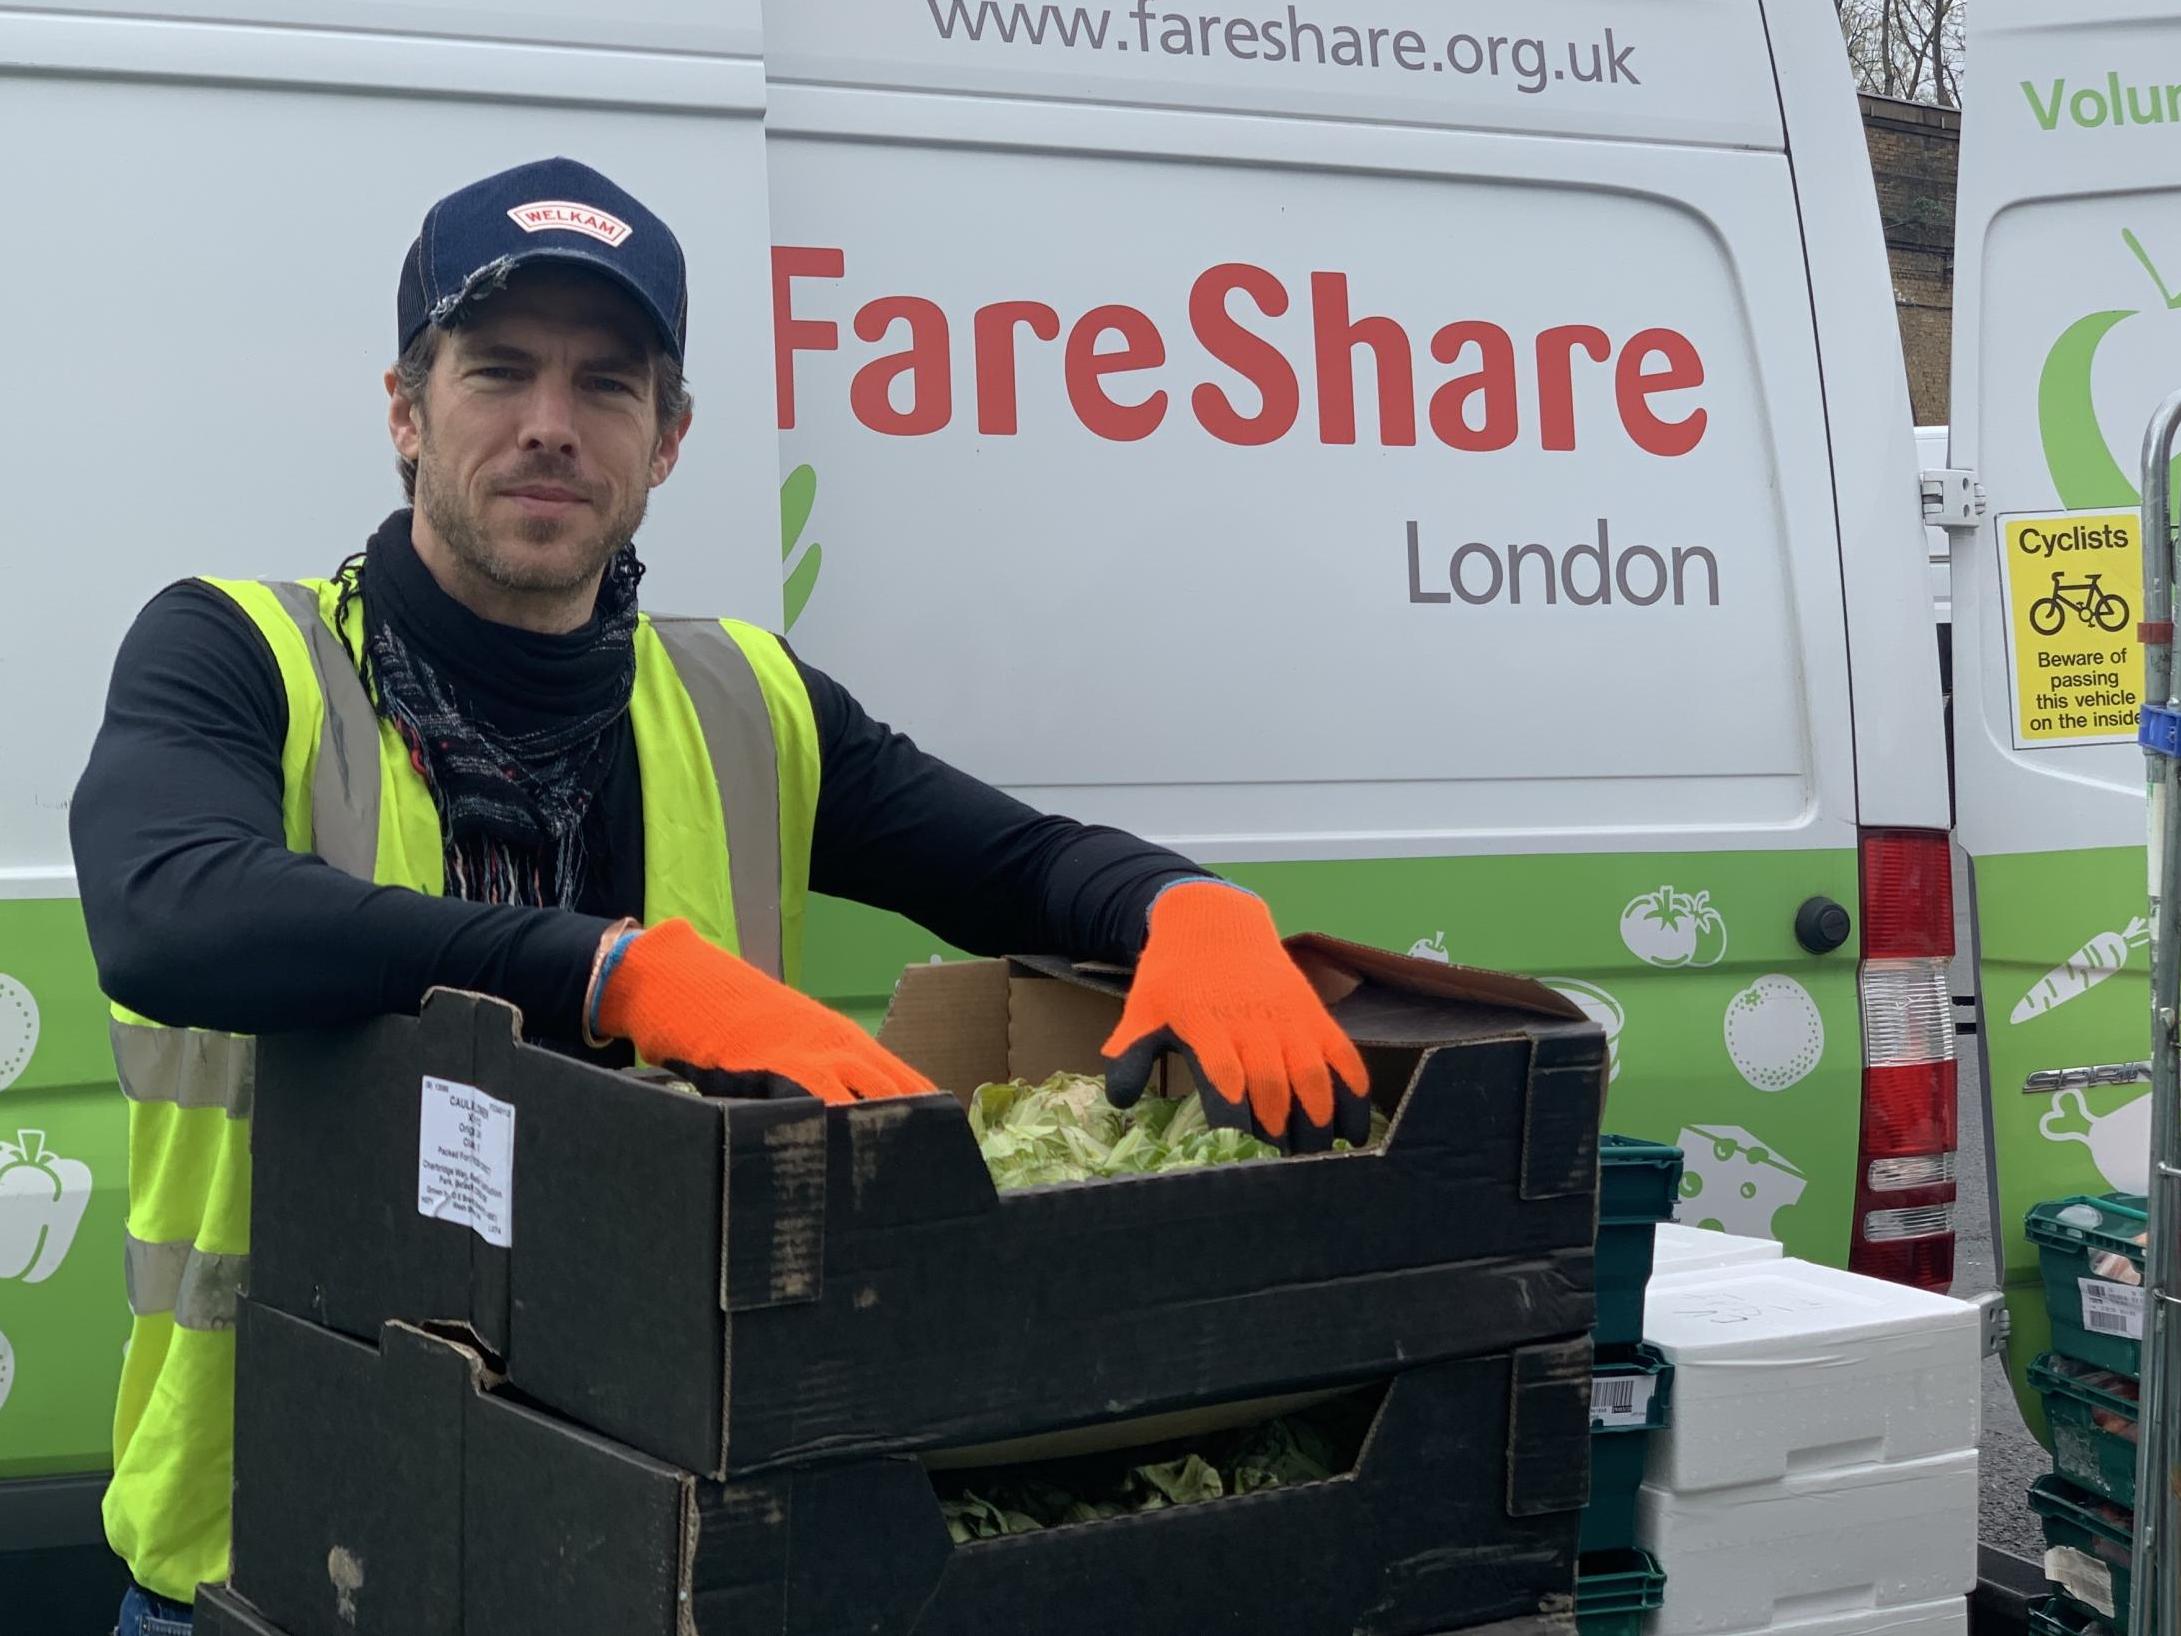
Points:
(2108, 103)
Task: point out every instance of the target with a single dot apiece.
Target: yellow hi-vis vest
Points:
(728, 752)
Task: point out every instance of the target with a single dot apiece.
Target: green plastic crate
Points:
(2079, 1521)
(2101, 1458)
(1638, 1183)
(2071, 1235)
(1631, 1396)
(1615, 1589)
(2064, 1616)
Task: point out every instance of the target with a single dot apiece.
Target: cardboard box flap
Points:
(949, 1022)
(1379, 998)
(1338, 966)
(379, 1549)
(545, 1502)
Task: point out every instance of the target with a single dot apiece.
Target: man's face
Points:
(538, 444)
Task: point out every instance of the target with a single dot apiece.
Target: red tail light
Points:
(1905, 1189)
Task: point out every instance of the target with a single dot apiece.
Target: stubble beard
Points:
(471, 543)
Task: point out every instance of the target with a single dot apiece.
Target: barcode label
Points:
(466, 1159)
(2112, 1309)
(1621, 1400)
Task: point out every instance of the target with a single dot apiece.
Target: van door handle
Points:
(1821, 925)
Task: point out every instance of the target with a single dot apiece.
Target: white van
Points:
(2065, 341)
(1452, 475)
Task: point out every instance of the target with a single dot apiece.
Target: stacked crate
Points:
(532, 1346)
(1631, 1386)
(2091, 1253)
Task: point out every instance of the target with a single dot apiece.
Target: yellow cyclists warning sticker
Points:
(2072, 580)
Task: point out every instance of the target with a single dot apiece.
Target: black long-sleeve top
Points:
(201, 917)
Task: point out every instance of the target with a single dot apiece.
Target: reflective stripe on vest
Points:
(188, 1066)
(199, 1287)
(737, 729)
(344, 795)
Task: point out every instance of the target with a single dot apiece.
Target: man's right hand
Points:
(678, 998)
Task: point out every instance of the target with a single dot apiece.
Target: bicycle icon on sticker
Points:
(2087, 599)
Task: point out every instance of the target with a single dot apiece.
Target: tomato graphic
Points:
(1673, 928)
(1711, 932)
(42, 1200)
(1656, 931)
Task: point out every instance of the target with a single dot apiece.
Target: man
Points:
(467, 759)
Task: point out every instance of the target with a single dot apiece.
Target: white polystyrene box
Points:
(1946, 1618)
(1681, 1250)
(1813, 1545)
(1788, 1367)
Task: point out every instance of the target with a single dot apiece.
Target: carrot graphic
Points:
(2085, 969)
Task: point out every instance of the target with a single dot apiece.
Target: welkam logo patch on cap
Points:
(565, 216)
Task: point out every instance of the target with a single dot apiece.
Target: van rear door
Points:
(1389, 462)
(2066, 337)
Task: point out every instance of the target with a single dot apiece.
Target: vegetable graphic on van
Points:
(1775, 1035)
(2076, 449)
(2082, 971)
(1431, 948)
(797, 495)
(1672, 928)
(7, 1369)
(42, 1200)
(18, 1029)
(2119, 1143)
(1602, 1009)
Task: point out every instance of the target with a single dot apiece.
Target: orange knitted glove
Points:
(1215, 981)
(678, 998)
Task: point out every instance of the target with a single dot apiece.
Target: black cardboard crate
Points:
(461, 1511)
(220, 1612)
(731, 1284)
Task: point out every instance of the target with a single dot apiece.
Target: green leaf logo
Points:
(797, 495)
(2077, 451)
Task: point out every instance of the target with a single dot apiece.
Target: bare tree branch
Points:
(1911, 49)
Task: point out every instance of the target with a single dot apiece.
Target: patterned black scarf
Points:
(512, 770)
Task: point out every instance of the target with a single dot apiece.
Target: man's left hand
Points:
(1216, 983)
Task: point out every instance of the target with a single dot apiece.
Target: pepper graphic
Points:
(2083, 469)
(42, 1200)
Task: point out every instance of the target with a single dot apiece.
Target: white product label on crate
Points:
(1621, 1400)
(2083, 1577)
(2112, 1309)
(466, 1159)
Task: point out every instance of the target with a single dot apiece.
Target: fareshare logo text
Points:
(2097, 105)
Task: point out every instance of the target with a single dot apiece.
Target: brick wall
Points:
(1915, 153)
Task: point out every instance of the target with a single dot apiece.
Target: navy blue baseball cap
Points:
(554, 210)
